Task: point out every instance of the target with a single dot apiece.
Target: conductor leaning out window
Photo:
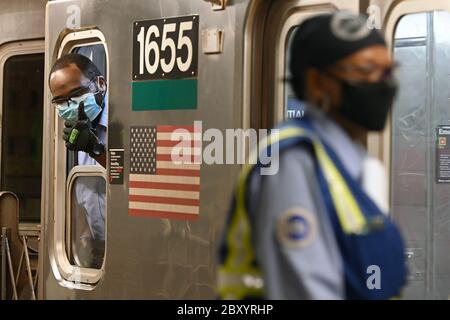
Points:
(79, 95)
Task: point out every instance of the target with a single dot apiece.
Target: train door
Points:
(275, 101)
(415, 144)
(21, 109)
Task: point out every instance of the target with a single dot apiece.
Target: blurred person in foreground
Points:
(319, 228)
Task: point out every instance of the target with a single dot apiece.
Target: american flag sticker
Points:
(164, 176)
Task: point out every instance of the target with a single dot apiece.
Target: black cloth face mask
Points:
(367, 103)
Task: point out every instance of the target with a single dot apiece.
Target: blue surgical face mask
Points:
(69, 111)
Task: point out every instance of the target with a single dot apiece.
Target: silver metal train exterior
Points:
(239, 86)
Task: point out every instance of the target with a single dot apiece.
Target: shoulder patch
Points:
(296, 228)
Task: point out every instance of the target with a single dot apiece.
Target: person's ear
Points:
(313, 87)
(102, 84)
(322, 91)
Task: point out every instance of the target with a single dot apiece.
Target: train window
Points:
(420, 150)
(95, 52)
(21, 96)
(21, 151)
(87, 221)
(83, 226)
(287, 106)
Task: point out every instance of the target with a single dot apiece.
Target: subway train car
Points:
(197, 65)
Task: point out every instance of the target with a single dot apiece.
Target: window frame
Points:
(72, 276)
(7, 51)
(90, 274)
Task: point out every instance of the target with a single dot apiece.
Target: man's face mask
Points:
(367, 103)
(69, 109)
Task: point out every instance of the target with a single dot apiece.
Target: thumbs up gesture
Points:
(81, 114)
(78, 134)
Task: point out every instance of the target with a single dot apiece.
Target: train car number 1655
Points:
(165, 48)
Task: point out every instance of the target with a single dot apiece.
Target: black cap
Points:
(322, 40)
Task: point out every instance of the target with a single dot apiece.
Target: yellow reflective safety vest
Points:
(364, 234)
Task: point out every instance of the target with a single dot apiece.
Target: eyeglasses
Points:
(369, 70)
(62, 103)
(61, 106)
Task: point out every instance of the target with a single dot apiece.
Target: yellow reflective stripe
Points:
(231, 283)
(347, 208)
(238, 292)
(240, 251)
(250, 277)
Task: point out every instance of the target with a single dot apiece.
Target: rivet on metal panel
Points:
(412, 253)
(218, 4)
(212, 41)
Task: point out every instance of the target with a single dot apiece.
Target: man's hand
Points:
(79, 136)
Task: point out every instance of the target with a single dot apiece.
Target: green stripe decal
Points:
(164, 94)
